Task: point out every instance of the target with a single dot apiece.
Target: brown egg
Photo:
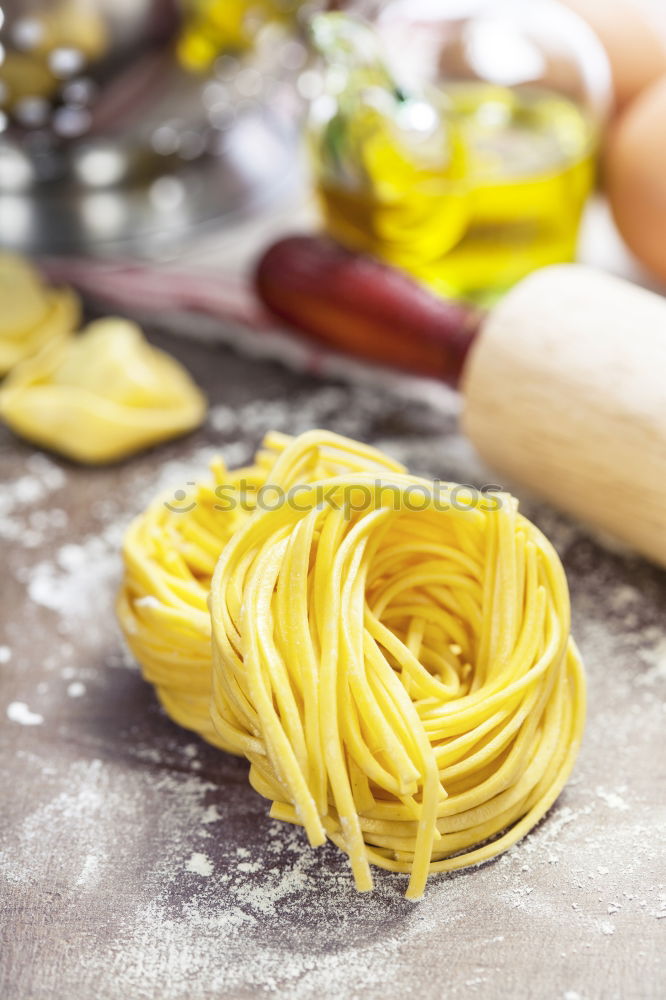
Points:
(635, 170)
(635, 49)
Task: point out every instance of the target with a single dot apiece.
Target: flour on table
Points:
(89, 871)
(211, 815)
(18, 711)
(18, 521)
(70, 583)
(612, 799)
(200, 864)
(656, 660)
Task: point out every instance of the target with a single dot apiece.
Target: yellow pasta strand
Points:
(402, 680)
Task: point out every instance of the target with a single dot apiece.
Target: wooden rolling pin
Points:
(564, 382)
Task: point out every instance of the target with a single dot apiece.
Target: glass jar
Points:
(457, 140)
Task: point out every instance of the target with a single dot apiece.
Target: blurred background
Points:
(152, 151)
(458, 140)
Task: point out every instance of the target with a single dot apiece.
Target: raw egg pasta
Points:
(32, 314)
(101, 395)
(169, 555)
(400, 675)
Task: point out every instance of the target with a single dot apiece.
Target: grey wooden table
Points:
(137, 863)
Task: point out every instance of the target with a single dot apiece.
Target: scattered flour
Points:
(211, 815)
(18, 523)
(149, 601)
(77, 583)
(18, 711)
(76, 689)
(5, 654)
(200, 864)
(612, 800)
(623, 596)
(89, 872)
(656, 660)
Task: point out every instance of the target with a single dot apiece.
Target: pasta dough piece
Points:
(169, 556)
(31, 313)
(101, 395)
(401, 678)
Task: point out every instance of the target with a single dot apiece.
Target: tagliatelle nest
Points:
(402, 681)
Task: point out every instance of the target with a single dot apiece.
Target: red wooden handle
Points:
(363, 307)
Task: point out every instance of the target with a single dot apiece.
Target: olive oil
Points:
(215, 27)
(491, 188)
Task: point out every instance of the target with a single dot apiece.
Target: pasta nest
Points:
(395, 663)
(169, 554)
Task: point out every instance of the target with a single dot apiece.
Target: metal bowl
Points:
(108, 142)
